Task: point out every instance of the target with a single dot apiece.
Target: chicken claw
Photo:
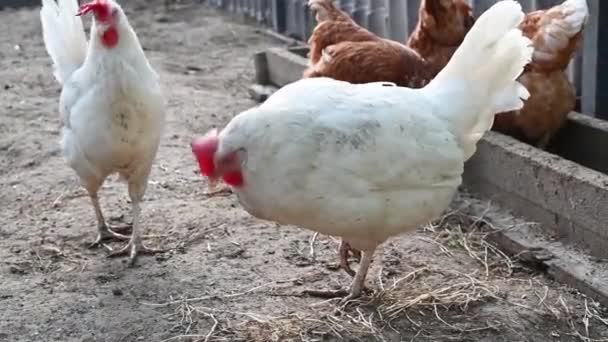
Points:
(358, 284)
(134, 248)
(106, 233)
(344, 251)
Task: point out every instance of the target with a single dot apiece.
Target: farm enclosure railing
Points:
(395, 19)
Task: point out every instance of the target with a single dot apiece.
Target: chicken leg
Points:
(104, 232)
(344, 250)
(359, 280)
(357, 284)
(135, 245)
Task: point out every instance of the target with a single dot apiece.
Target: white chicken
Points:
(111, 106)
(369, 161)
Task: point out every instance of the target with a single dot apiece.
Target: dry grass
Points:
(428, 302)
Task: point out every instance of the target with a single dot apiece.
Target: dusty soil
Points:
(226, 275)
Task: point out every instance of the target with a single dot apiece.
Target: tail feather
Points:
(486, 66)
(64, 36)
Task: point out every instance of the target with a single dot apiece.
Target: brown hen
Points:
(343, 50)
(365, 62)
(556, 34)
(334, 26)
(442, 25)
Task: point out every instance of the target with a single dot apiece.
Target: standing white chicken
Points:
(366, 162)
(111, 104)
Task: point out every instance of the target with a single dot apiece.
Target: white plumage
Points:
(367, 162)
(63, 36)
(111, 103)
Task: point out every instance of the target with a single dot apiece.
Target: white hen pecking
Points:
(371, 161)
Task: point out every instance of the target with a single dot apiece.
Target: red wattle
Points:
(110, 37)
(233, 178)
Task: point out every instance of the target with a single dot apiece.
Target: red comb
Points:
(204, 149)
(99, 7)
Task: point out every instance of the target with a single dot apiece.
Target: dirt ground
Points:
(228, 276)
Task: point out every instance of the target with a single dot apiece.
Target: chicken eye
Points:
(114, 12)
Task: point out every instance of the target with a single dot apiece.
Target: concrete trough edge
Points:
(568, 200)
(565, 264)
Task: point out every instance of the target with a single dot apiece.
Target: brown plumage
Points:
(365, 62)
(442, 25)
(343, 50)
(334, 26)
(556, 34)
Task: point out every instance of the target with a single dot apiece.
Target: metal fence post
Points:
(413, 7)
(279, 15)
(360, 11)
(291, 25)
(378, 17)
(346, 6)
(398, 20)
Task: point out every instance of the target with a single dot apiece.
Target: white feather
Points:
(111, 103)
(481, 75)
(369, 161)
(63, 36)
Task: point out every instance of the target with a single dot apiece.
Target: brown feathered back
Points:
(372, 61)
(334, 26)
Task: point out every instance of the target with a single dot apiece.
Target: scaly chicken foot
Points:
(104, 232)
(357, 286)
(358, 283)
(135, 246)
(344, 251)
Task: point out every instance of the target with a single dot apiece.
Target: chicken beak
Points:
(213, 184)
(85, 9)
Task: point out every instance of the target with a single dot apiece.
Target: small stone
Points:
(16, 270)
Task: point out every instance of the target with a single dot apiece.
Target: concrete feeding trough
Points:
(564, 189)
